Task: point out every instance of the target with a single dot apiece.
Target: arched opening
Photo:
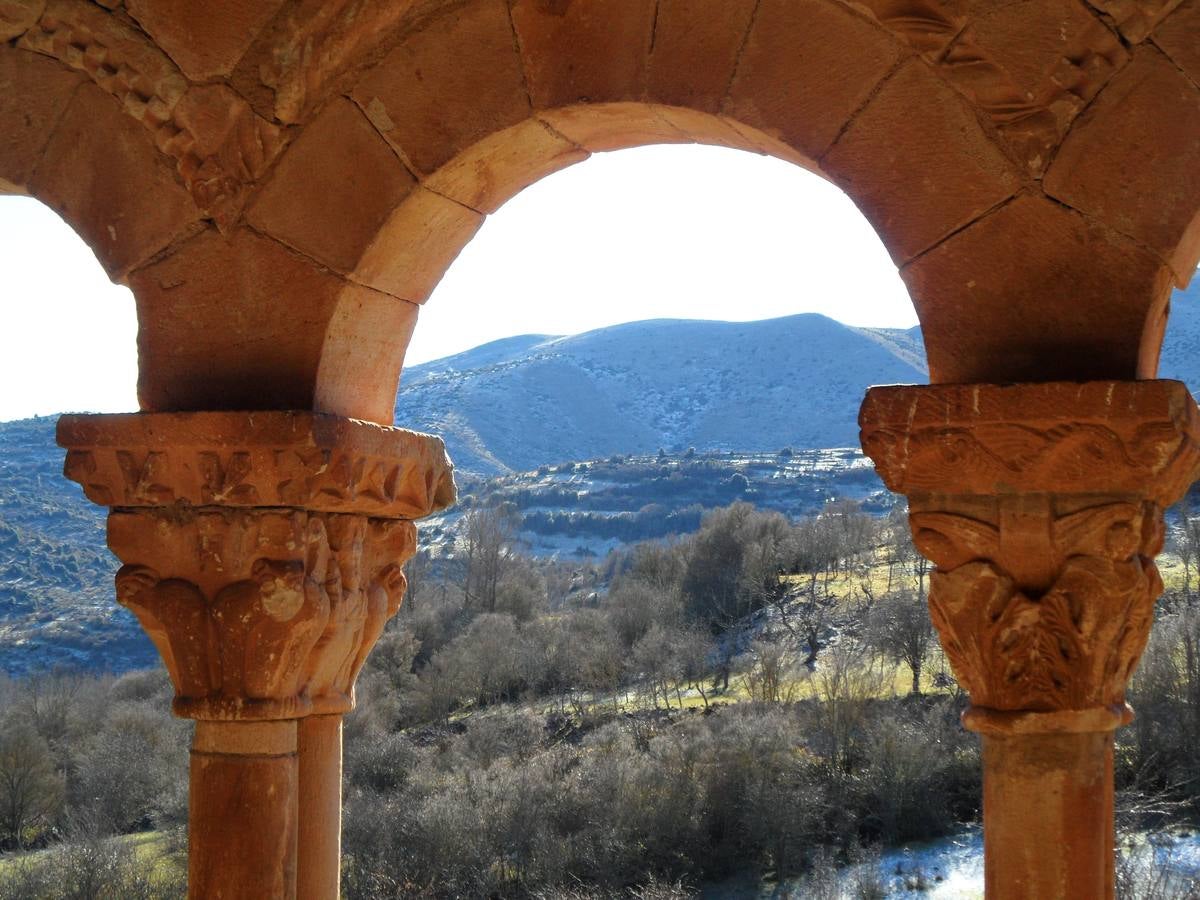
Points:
(666, 231)
(419, 239)
(282, 196)
(627, 237)
(71, 340)
(69, 345)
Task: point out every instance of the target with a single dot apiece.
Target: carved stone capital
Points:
(260, 614)
(263, 551)
(261, 459)
(1041, 507)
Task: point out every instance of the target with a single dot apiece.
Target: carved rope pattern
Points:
(951, 458)
(219, 145)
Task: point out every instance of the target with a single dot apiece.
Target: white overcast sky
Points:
(654, 232)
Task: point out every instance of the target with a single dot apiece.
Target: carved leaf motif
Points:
(266, 637)
(378, 482)
(227, 481)
(298, 472)
(1036, 656)
(949, 541)
(1113, 530)
(174, 615)
(218, 143)
(962, 604)
(1072, 648)
(142, 478)
(80, 466)
(266, 627)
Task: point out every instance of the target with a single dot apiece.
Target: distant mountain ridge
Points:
(515, 404)
(525, 401)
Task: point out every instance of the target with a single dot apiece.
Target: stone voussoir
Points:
(312, 461)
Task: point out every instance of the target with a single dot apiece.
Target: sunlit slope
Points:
(1181, 346)
(634, 388)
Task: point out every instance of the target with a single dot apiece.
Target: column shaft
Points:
(242, 816)
(1048, 816)
(320, 829)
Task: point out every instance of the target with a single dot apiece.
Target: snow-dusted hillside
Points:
(1181, 346)
(523, 402)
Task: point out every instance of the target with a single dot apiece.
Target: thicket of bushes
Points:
(510, 805)
(535, 730)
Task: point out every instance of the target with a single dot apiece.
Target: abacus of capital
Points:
(1041, 506)
(262, 554)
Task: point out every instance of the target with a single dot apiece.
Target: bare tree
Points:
(1186, 541)
(31, 791)
(846, 681)
(693, 654)
(900, 628)
(487, 545)
(771, 676)
(49, 700)
(417, 571)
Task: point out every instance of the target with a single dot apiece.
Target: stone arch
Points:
(284, 213)
(66, 141)
(487, 96)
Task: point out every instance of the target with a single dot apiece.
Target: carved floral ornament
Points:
(251, 636)
(263, 551)
(1041, 507)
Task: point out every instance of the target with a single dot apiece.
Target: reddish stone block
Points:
(786, 83)
(313, 49)
(1132, 157)
(500, 165)
(1136, 18)
(363, 354)
(613, 126)
(416, 245)
(205, 40)
(918, 163)
(102, 173)
(1036, 292)
(1033, 69)
(37, 90)
(233, 322)
(447, 86)
(707, 128)
(333, 189)
(1179, 38)
(695, 49)
(584, 51)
